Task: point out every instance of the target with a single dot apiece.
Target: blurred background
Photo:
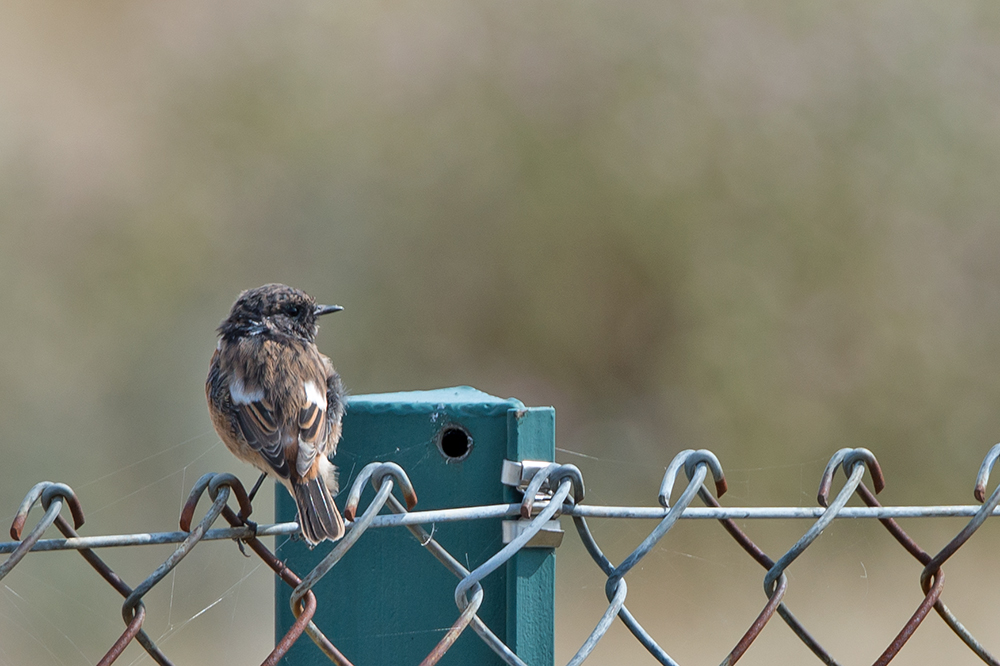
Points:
(767, 229)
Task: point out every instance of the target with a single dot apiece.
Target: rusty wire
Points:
(564, 496)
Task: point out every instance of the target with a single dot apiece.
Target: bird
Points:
(277, 402)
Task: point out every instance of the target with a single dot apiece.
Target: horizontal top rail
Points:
(512, 510)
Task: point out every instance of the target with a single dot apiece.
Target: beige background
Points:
(767, 229)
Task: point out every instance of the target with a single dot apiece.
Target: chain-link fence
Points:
(550, 490)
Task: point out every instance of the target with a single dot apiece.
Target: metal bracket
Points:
(550, 536)
(518, 474)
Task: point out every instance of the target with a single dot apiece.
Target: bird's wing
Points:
(260, 426)
(283, 411)
(312, 425)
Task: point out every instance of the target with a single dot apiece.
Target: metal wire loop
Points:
(689, 460)
(213, 482)
(377, 472)
(849, 459)
(552, 475)
(984, 472)
(46, 491)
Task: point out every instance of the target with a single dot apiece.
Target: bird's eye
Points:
(293, 310)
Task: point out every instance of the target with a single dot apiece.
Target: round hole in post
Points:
(454, 442)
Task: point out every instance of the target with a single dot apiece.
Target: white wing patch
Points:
(307, 451)
(241, 396)
(314, 395)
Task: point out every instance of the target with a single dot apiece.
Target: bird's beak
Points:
(326, 309)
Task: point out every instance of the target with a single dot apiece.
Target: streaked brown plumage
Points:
(277, 402)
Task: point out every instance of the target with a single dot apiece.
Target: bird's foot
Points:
(253, 535)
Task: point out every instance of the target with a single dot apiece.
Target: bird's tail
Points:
(318, 515)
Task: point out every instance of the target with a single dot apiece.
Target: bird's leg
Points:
(256, 486)
(249, 523)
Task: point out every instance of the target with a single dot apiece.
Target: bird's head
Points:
(275, 307)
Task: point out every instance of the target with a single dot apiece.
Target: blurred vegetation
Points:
(767, 229)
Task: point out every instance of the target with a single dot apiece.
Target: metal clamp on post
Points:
(518, 474)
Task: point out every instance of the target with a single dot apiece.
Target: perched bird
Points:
(277, 402)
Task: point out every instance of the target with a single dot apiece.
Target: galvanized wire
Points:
(565, 496)
(497, 511)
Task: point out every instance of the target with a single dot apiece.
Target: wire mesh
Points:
(554, 490)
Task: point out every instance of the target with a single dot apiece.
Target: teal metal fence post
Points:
(387, 601)
(531, 574)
